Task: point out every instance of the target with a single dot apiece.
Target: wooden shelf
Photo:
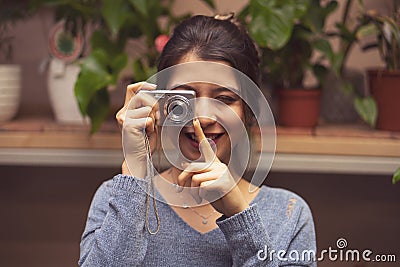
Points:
(342, 149)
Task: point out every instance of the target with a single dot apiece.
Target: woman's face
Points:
(220, 113)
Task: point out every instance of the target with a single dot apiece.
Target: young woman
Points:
(265, 227)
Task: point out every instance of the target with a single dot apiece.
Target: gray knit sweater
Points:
(277, 230)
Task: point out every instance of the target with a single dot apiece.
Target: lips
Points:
(213, 136)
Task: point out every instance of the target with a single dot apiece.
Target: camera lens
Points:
(178, 109)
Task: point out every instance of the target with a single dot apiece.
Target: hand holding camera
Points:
(144, 108)
(137, 119)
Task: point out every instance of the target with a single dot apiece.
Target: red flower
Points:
(160, 42)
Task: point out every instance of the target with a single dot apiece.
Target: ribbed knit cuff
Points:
(242, 220)
(122, 182)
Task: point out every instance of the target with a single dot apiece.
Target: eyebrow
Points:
(219, 89)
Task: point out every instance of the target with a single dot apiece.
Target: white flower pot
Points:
(60, 84)
(10, 91)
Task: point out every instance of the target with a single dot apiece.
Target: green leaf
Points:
(337, 62)
(324, 46)
(301, 7)
(272, 27)
(138, 70)
(316, 15)
(244, 13)
(98, 109)
(87, 84)
(272, 21)
(100, 41)
(119, 62)
(345, 33)
(330, 7)
(347, 87)
(115, 12)
(117, 65)
(367, 109)
(150, 71)
(320, 72)
(367, 30)
(97, 61)
(396, 176)
(93, 77)
(335, 59)
(141, 6)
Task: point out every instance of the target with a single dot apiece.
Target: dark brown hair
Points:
(211, 38)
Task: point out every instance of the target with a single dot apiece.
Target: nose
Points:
(204, 112)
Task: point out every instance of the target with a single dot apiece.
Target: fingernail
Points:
(150, 84)
(184, 165)
(178, 188)
(211, 142)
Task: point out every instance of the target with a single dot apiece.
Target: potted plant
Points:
(10, 74)
(286, 31)
(343, 95)
(65, 48)
(385, 83)
(113, 24)
(85, 80)
(66, 45)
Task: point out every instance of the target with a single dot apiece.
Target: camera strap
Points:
(150, 190)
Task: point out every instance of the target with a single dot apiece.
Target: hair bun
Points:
(228, 16)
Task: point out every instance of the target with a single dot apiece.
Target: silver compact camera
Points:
(176, 106)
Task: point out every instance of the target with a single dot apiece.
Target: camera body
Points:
(176, 107)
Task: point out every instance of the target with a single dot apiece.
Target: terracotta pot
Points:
(385, 88)
(299, 107)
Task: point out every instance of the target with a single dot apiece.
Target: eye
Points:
(226, 99)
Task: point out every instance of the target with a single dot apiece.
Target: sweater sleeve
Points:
(251, 244)
(116, 220)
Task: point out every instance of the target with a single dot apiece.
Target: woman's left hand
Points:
(211, 180)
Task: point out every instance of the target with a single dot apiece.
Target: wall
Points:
(31, 52)
(44, 211)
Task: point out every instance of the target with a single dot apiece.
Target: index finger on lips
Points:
(131, 91)
(204, 145)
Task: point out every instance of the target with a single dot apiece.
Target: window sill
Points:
(334, 149)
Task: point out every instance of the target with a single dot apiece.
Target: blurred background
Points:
(340, 155)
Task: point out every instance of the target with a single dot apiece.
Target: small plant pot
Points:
(60, 82)
(10, 91)
(299, 107)
(337, 105)
(385, 88)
